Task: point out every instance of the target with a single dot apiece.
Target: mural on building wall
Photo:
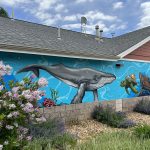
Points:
(141, 88)
(132, 79)
(85, 79)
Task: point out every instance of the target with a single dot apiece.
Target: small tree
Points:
(3, 13)
(17, 109)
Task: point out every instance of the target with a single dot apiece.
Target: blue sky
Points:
(119, 16)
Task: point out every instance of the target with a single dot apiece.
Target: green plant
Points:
(142, 131)
(60, 142)
(108, 116)
(54, 95)
(39, 144)
(122, 140)
(126, 123)
(3, 13)
(17, 109)
(48, 129)
(63, 141)
(143, 106)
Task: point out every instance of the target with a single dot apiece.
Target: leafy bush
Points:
(48, 129)
(17, 109)
(142, 131)
(143, 106)
(50, 134)
(126, 123)
(108, 116)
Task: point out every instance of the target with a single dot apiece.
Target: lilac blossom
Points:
(19, 101)
(8, 69)
(9, 115)
(29, 138)
(6, 143)
(15, 114)
(1, 87)
(9, 127)
(12, 106)
(15, 89)
(42, 82)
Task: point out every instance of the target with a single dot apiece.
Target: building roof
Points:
(26, 37)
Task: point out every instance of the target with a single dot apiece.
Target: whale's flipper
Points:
(79, 96)
(95, 93)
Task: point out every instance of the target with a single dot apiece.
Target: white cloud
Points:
(83, 1)
(70, 18)
(61, 8)
(90, 29)
(92, 16)
(145, 18)
(45, 4)
(13, 2)
(71, 26)
(98, 15)
(115, 27)
(118, 5)
(51, 12)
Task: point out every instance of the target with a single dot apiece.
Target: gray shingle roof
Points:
(40, 38)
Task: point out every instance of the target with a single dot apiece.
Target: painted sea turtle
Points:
(129, 82)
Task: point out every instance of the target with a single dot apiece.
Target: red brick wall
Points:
(142, 53)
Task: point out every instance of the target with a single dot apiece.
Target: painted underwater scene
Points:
(66, 90)
(43, 101)
(134, 88)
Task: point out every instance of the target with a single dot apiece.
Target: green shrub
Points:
(48, 129)
(143, 106)
(50, 135)
(18, 108)
(108, 116)
(142, 131)
(126, 123)
(60, 142)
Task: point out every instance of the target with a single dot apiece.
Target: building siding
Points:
(142, 53)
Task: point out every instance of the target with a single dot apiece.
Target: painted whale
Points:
(85, 79)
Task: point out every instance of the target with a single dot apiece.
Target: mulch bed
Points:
(89, 128)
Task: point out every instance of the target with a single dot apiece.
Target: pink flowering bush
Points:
(18, 107)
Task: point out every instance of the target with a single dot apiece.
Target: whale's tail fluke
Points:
(34, 68)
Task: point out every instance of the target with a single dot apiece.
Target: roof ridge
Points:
(137, 30)
(39, 24)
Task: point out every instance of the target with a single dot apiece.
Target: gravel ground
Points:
(139, 118)
(89, 128)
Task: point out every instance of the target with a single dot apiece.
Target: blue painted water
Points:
(66, 92)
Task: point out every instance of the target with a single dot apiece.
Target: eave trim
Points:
(37, 51)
